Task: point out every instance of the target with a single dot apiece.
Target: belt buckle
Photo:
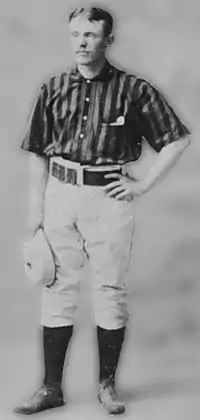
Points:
(65, 175)
(71, 176)
(58, 171)
(71, 173)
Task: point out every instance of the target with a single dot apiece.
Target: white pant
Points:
(82, 221)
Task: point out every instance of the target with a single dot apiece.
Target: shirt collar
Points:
(105, 74)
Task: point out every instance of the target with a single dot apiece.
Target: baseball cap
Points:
(39, 262)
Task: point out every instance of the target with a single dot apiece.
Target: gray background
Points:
(160, 368)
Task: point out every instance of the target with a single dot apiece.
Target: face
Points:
(88, 40)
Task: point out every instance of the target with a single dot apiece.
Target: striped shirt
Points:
(101, 120)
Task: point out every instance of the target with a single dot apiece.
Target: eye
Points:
(90, 35)
(74, 34)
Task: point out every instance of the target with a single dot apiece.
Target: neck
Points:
(91, 70)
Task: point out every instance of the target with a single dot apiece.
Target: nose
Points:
(82, 42)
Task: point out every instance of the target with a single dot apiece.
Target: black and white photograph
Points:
(99, 213)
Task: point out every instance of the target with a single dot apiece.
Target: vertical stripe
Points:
(65, 98)
(54, 89)
(151, 117)
(121, 94)
(161, 108)
(58, 124)
(69, 104)
(105, 103)
(127, 89)
(75, 127)
(98, 144)
(51, 87)
(60, 99)
(88, 141)
(146, 114)
(111, 130)
(99, 92)
(45, 119)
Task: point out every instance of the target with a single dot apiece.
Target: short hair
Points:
(95, 14)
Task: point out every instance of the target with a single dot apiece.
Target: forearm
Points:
(167, 158)
(38, 170)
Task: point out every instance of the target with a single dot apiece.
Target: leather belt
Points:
(76, 174)
(98, 177)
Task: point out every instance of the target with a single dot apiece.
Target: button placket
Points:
(86, 108)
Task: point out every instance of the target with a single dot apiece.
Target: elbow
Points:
(182, 145)
(175, 149)
(185, 141)
(178, 146)
(188, 141)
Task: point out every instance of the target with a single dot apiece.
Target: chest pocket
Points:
(115, 126)
(114, 130)
(115, 119)
(124, 131)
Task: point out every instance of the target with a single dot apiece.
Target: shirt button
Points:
(85, 117)
(87, 99)
(81, 136)
(88, 81)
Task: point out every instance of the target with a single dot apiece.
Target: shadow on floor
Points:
(168, 388)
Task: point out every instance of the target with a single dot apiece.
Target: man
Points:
(88, 124)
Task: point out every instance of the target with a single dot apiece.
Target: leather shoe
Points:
(109, 399)
(43, 399)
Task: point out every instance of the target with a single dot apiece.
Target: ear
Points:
(109, 40)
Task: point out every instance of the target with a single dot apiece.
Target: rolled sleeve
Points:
(160, 125)
(37, 135)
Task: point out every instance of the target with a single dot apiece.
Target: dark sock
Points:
(55, 343)
(110, 344)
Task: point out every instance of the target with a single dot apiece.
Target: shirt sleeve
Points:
(37, 136)
(159, 123)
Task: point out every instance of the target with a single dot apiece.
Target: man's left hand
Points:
(124, 188)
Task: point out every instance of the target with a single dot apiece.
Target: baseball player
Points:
(86, 128)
